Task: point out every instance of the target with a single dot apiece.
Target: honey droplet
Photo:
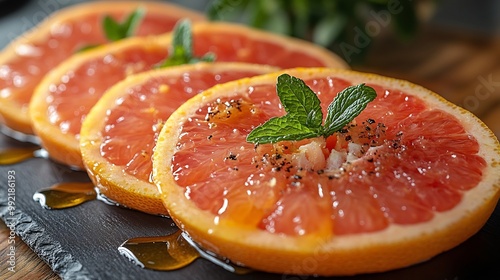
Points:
(17, 155)
(159, 253)
(65, 195)
(171, 252)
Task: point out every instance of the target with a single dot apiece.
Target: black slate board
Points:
(82, 242)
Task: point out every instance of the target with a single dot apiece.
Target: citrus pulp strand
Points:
(356, 210)
(298, 210)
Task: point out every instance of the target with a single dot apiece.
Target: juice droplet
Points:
(65, 195)
(171, 252)
(17, 155)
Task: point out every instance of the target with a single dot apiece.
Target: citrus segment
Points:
(65, 95)
(119, 133)
(380, 194)
(255, 46)
(26, 60)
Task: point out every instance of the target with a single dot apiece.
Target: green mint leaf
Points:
(183, 39)
(86, 48)
(280, 129)
(115, 31)
(178, 57)
(299, 101)
(182, 47)
(112, 29)
(130, 25)
(348, 104)
(208, 57)
(304, 116)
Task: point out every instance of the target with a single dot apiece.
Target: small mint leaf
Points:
(182, 47)
(299, 100)
(304, 116)
(280, 129)
(112, 29)
(130, 25)
(208, 57)
(183, 38)
(348, 104)
(86, 48)
(115, 31)
(178, 57)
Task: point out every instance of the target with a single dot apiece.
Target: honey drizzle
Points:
(65, 195)
(17, 155)
(158, 253)
(171, 252)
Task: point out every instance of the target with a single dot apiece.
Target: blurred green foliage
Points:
(335, 24)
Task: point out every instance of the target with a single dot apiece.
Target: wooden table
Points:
(28, 265)
(465, 69)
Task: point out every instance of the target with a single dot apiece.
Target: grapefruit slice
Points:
(25, 61)
(119, 133)
(412, 176)
(66, 94)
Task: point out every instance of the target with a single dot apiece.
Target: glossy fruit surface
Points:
(412, 176)
(25, 61)
(65, 96)
(119, 134)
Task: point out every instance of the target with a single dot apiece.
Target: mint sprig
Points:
(115, 30)
(182, 47)
(304, 118)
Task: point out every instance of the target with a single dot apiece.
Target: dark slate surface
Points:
(82, 242)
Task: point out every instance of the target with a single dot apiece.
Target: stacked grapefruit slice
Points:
(25, 61)
(65, 96)
(119, 133)
(410, 177)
